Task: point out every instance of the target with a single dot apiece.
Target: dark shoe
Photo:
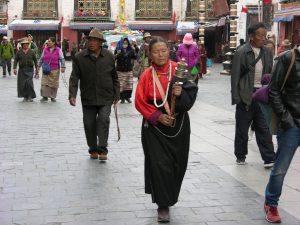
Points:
(241, 162)
(44, 99)
(128, 100)
(272, 214)
(269, 165)
(163, 215)
(30, 99)
(53, 100)
(4, 76)
(122, 101)
(25, 100)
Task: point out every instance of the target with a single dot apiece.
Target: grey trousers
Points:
(96, 126)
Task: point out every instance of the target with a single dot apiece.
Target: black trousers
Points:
(244, 117)
(96, 126)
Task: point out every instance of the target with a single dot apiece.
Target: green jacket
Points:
(6, 51)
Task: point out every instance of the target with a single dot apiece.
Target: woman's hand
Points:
(166, 120)
(62, 70)
(15, 71)
(177, 89)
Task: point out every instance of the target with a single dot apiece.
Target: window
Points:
(192, 9)
(40, 8)
(92, 8)
(156, 9)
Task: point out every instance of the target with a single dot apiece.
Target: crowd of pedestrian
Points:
(167, 88)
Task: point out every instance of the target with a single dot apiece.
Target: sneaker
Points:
(44, 99)
(163, 215)
(103, 156)
(272, 214)
(241, 162)
(53, 100)
(268, 165)
(93, 155)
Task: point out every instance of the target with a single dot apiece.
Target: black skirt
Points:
(166, 152)
(25, 83)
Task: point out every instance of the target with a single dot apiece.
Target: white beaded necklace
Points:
(169, 79)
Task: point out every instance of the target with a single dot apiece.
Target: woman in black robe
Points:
(165, 129)
(26, 59)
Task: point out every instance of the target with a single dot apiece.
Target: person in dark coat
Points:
(94, 68)
(165, 133)
(286, 105)
(26, 58)
(125, 54)
(251, 61)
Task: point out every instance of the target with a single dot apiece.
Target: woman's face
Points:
(50, 43)
(125, 44)
(159, 53)
(25, 46)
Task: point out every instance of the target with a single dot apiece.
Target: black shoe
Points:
(44, 99)
(53, 100)
(163, 215)
(128, 100)
(241, 162)
(269, 165)
(25, 100)
(122, 101)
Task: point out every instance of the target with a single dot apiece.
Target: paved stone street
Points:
(46, 176)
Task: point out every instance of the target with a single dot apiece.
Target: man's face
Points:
(258, 39)
(94, 44)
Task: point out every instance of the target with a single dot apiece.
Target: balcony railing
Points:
(153, 14)
(92, 15)
(39, 14)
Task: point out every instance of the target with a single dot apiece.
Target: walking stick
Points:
(117, 120)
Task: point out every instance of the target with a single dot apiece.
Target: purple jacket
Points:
(190, 53)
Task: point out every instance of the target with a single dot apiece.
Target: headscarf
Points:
(120, 45)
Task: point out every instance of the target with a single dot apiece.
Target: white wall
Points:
(15, 8)
(130, 10)
(66, 9)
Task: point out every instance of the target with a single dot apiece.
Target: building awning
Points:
(186, 27)
(150, 25)
(3, 29)
(286, 15)
(34, 25)
(89, 25)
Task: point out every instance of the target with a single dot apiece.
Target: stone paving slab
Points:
(46, 177)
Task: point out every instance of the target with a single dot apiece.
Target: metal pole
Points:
(258, 9)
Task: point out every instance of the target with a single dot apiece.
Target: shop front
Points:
(41, 30)
(288, 20)
(77, 29)
(165, 29)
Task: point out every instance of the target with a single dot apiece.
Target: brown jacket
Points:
(99, 84)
